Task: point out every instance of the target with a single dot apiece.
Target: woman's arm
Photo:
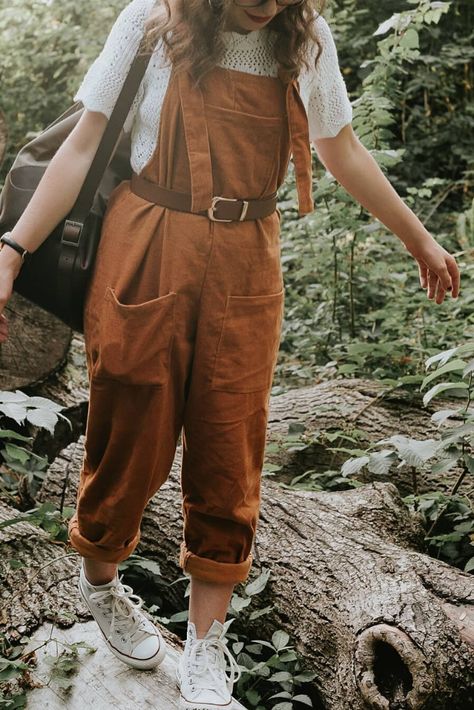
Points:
(52, 200)
(355, 169)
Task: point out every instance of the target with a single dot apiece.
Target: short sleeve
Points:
(104, 79)
(329, 107)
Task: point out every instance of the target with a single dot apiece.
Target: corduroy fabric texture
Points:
(182, 326)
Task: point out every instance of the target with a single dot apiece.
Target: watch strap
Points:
(7, 239)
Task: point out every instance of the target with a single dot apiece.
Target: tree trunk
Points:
(382, 624)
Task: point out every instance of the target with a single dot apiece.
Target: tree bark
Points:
(382, 624)
(37, 345)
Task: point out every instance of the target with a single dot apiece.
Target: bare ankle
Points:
(99, 572)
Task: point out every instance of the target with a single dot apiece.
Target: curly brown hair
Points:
(192, 34)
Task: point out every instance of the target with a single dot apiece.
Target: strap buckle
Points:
(217, 199)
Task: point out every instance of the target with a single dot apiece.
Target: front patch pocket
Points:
(248, 347)
(135, 340)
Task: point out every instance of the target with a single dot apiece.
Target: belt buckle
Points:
(213, 207)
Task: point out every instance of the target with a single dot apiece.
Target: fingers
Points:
(432, 283)
(439, 281)
(423, 273)
(455, 275)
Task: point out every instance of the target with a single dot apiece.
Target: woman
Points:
(183, 314)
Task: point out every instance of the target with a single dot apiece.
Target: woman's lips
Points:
(257, 18)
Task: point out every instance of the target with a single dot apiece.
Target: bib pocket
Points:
(135, 340)
(249, 342)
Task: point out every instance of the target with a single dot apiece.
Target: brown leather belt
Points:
(222, 209)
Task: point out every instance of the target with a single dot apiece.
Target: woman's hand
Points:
(437, 269)
(356, 170)
(10, 264)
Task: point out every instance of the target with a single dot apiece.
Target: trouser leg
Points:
(223, 452)
(130, 445)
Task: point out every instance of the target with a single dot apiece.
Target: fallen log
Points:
(382, 624)
(39, 598)
(37, 345)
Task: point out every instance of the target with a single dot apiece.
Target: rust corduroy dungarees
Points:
(183, 322)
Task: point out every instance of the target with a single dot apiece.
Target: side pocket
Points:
(135, 340)
(248, 347)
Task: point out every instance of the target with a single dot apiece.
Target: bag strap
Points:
(85, 198)
(73, 227)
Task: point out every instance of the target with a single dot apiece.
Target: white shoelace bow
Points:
(201, 647)
(123, 606)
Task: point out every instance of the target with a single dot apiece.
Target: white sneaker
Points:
(128, 633)
(201, 671)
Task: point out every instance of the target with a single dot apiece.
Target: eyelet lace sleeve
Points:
(329, 107)
(104, 79)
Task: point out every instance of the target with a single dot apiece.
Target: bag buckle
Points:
(217, 199)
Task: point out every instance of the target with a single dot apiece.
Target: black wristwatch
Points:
(7, 239)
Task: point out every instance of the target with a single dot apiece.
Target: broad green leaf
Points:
(415, 452)
(443, 387)
(410, 39)
(453, 366)
(280, 639)
(353, 465)
(14, 411)
(381, 462)
(443, 415)
(258, 584)
(469, 567)
(305, 699)
(44, 418)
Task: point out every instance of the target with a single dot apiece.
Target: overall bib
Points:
(183, 322)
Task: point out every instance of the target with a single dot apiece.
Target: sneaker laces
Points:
(123, 607)
(206, 653)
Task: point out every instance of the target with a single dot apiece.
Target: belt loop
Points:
(301, 147)
(197, 142)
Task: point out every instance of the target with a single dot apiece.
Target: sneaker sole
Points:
(189, 705)
(143, 665)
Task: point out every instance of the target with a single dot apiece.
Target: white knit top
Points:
(323, 89)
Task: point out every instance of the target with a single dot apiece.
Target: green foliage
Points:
(55, 42)
(454, 375)
(23, 470)
(354, 305)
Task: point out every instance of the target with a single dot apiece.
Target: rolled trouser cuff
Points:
(209, 570)
(96, 551)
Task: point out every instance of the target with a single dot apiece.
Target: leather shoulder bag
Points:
(55, 276)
